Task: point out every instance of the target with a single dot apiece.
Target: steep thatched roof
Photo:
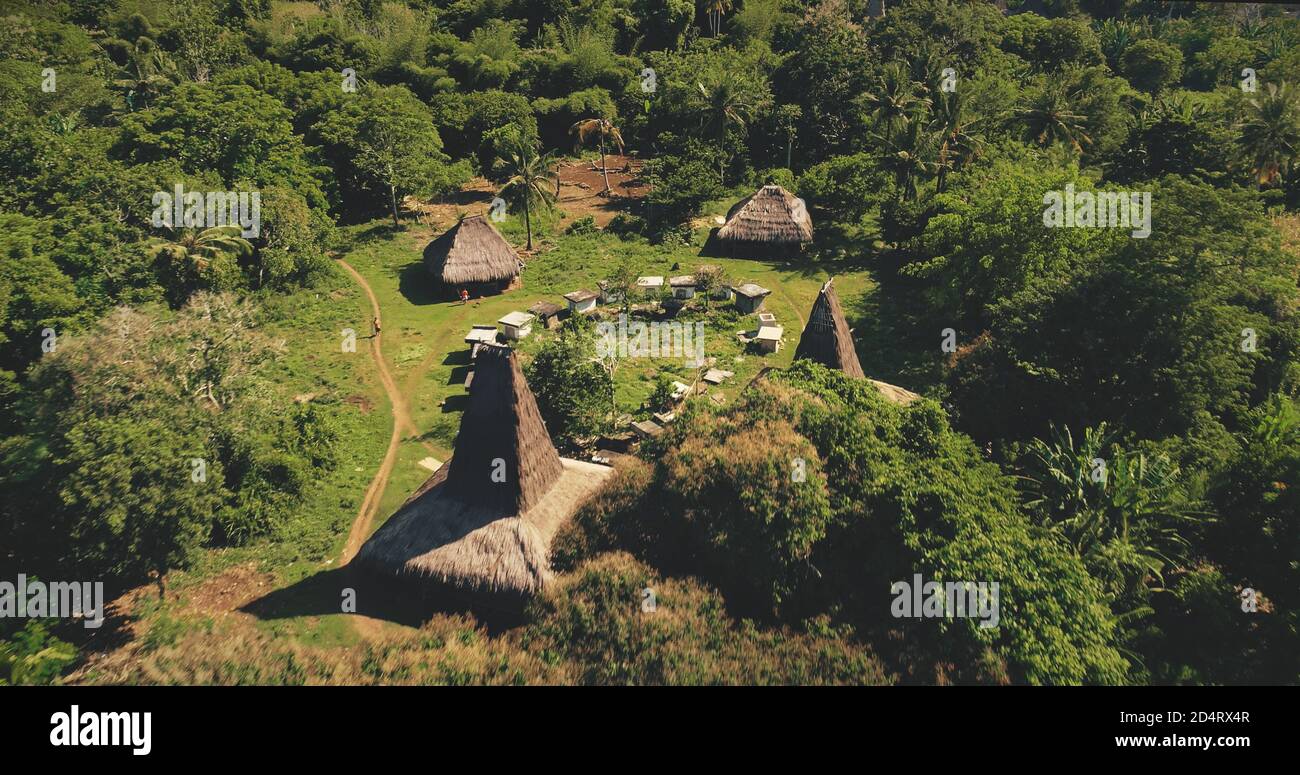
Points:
(826, 339)
(770, 215)
(472, 251)
(503, 424)
(485, 519)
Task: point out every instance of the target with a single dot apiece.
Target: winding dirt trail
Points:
(401, 419)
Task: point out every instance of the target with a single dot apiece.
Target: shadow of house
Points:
(391, 600)
(414, 284)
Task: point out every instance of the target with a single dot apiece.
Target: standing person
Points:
(374, 326)
(464, 296)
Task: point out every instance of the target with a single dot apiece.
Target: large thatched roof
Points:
(827, 339)
(770, 215)
(472, 251)
(485, 519)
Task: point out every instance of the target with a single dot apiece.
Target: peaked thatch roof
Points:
(770, 215)
(826, 339)
(502, 424)
(465, 528)
(472, 251)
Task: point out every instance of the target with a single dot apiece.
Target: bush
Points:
(584, 225)
(596, 620)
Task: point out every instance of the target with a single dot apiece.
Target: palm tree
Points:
(1271, 134)
(198, 248)
(148, 73)
(957, 146)
(1049, 118)
(62, 124)
(894, 103)
(715, 9)
(725, 103)
(911, 157)
(1127, 520)
(602, 129)
(528, 173)
(787, 120)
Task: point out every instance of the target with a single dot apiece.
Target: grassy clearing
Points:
(424, 349)
(423, 335)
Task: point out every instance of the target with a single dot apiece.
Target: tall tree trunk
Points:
(789, 149)
(528, 221)
(604, 168)
(392, 198)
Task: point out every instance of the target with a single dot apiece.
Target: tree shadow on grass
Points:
(897, 341)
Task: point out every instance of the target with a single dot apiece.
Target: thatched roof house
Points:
(828, 340)
(472, 255)
(770, 217)
(485, 520)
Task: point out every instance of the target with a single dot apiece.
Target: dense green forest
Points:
(1110, 423)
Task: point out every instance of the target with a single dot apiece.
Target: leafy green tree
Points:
(34, 292)
(1257, 497)
(574, 392)
(622, 281)
(1048, 117)
(1127, 514)
(391, 144)
(883, 493)
(1144, 333)
(196, 124)
(1152, 65)
(663, 23)
(716, 9)
(831, 65)
(912, 157)
(959, 143)
(894, 104)
(194, 258)
(145, 438)
(726, 104)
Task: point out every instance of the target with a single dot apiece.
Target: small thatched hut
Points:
(828, 340)
(473, 256)
(484, 521)
(769, 220)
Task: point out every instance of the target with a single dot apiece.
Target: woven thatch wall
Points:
(826, 339)
(770, 216)
(472, 252)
